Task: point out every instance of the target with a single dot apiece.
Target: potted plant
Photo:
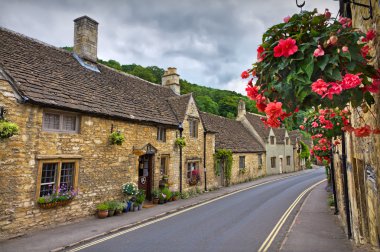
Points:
(167, 193)
(129, 189)
(155, 195)
(175, 195)
(119, 208)
(140, 198)
(112, 205)
(117, 138)
(102, 210)
(135, 206)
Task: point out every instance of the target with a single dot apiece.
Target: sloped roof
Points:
(258, 125)
(230, 134)
(280, 135)
(52, 77)
(296, 133)
(179, 105)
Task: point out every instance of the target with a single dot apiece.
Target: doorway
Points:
(145, 174)
(280, 165)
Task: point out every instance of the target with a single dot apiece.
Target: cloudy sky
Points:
(209, 41)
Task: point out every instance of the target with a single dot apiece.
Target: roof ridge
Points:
(254, 114)
(34, 40)
(219, 116)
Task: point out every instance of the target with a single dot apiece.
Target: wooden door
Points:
(145, 174)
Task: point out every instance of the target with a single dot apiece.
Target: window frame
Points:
(161, 134)
(57, 173)
(272, 140)
(273, 162)
(61, 117)
(241, 164)
(166, 168)
(260, 159)
(193, 127)
(288, 160)
(197, 167)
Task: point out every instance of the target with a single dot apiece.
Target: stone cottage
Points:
(278, 147)
(248, 155)
(66, 106)
(357, 195)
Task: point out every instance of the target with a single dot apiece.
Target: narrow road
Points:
(240, 222)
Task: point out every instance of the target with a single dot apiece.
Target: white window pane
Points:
(51, 121)
(69, 123)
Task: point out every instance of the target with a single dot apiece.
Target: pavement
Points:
(316, 228)
(326, 233)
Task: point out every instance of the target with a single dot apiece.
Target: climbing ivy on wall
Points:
(305, 152)
(223, 158)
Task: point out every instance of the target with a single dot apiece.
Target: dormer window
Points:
(271, 139)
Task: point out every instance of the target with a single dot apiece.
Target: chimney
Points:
(241, 109)
(171, 79)
(86, 38)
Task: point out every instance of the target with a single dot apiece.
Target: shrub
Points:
(102, 206)
(117, 138)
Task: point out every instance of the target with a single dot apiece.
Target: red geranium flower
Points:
(319, 87)
(302, 127)
(252, 91)
(363, 131)
(260, 51)
(371, 34)
(244, 74)
(286, 19)
(351, 80)
(364, 51)
(285, 48)
(335, 88)
(376, 131)
(274, 109)
(319, 52)
(375, 86)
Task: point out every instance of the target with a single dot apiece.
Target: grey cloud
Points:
(209, 41)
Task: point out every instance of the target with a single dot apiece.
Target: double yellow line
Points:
(268, 242)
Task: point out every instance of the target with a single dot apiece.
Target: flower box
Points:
(54, 204)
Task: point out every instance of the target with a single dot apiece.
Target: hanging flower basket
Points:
(310, 60)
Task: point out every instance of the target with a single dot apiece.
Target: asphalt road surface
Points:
(239, 222)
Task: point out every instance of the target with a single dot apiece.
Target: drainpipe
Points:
(345, 185)
(333, 181)
(204, 158)
(180, 127)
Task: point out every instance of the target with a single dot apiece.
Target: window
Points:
(193, 128)
(241, 162)
(273, 162)
(192, 166)
(59, 122)
(161, 134)
(287, 140)
(260, 159)
(164, 165)
(54, 174)
(287, 160)
(272, 140)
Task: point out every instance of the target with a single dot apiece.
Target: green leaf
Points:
(369, 98)
(334, 73)
(346, 55)
(309, 67)
(322, 62)
(357, 98)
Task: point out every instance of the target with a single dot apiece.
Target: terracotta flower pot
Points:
(102, 214)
